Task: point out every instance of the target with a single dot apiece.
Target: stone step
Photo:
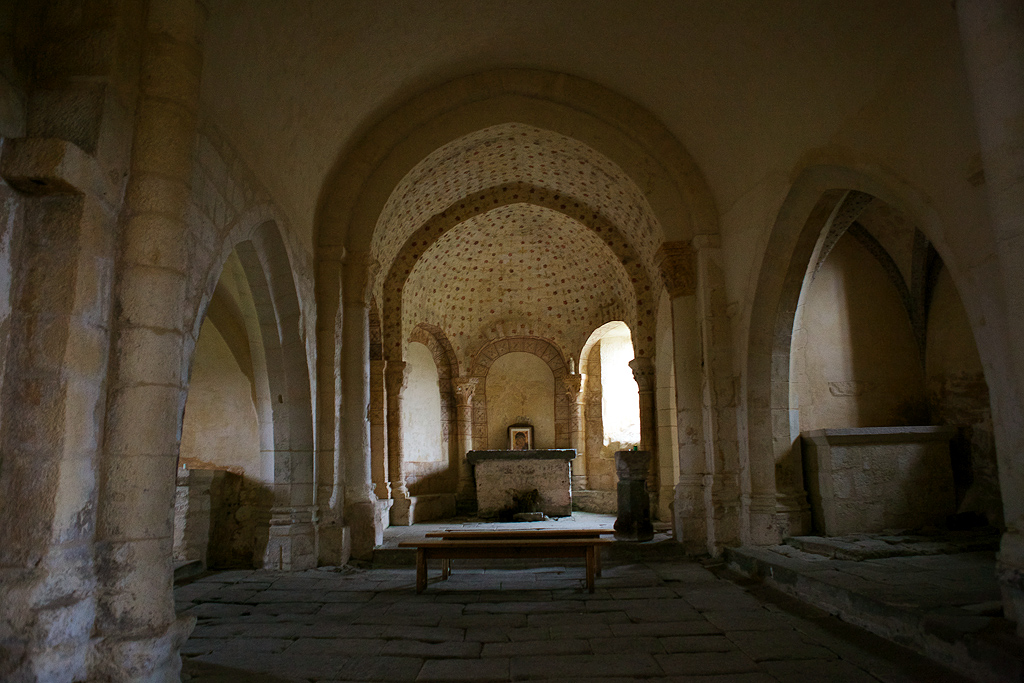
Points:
(186, 569)
(973, 639)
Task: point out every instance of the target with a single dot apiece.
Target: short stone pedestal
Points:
(501, 475)
(634, 520)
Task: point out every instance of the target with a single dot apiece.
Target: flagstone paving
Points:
(673, 622)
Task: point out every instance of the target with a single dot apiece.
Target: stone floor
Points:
(666, 621)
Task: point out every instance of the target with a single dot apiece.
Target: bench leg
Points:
(421, 570)
(597, 562)
(446, 569)
(591, 567)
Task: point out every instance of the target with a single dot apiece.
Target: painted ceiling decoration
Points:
(518, 270)
(515, 231)
(506, 154)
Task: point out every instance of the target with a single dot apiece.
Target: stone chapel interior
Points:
(270, 271)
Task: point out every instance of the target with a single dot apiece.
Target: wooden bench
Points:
(476, 545)
(478, 534)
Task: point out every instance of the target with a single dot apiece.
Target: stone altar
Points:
(501, 474)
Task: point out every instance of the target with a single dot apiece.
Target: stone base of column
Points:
(665, 498)
(760, 528)
(401, 514)
(291, 543)
(689, 517)
(153, 659)
(334, 544)
(1010, 571)
(793, 514)
(367, 532)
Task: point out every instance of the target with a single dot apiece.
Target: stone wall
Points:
(958, 395)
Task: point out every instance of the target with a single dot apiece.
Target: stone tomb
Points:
(500, 475)
(871, 479)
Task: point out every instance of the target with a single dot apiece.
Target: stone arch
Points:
(366, 173)
(360, 184)
(543, 349)
(281, 388)
(771, 483)
(447, 369)
(642, 315)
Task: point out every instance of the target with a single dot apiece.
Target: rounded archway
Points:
(868, 250)
(248, 341)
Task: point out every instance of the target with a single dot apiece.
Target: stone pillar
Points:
(463, 387)
(333, 543)
(360, 501)
(633, 522)
(643, 373)
(54, 397)
(992, 34)
(396, 378)
(137, 633)
(574, 385)
(379, 430)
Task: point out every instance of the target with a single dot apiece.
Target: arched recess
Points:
(366, 174)
(599, 455)
(447, 368)
(271, 320)
(773, 495)
(640, 310)
(544, 350)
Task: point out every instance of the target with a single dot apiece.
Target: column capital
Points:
(643, 372)
(396, 376)
(464, 387)
(573, 385)
(360, 270)
(678, 265)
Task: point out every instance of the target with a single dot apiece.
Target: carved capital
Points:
(360, 270)
(464, 388)
(573, 385)
(678, 265)
(396, 377)
(643, 373)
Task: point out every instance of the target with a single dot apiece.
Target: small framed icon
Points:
(520, 438)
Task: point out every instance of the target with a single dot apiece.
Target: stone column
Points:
(360, 501)
(992, 34)
(574, 385)
(333, 543)
(396, 378)
(61, 227)
(643, 373)
(379, 430)
(463, 387)
(137, 633)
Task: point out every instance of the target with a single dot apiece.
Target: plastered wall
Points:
(220, 429)
(854, 359)
(520, 388)
(426, 453)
